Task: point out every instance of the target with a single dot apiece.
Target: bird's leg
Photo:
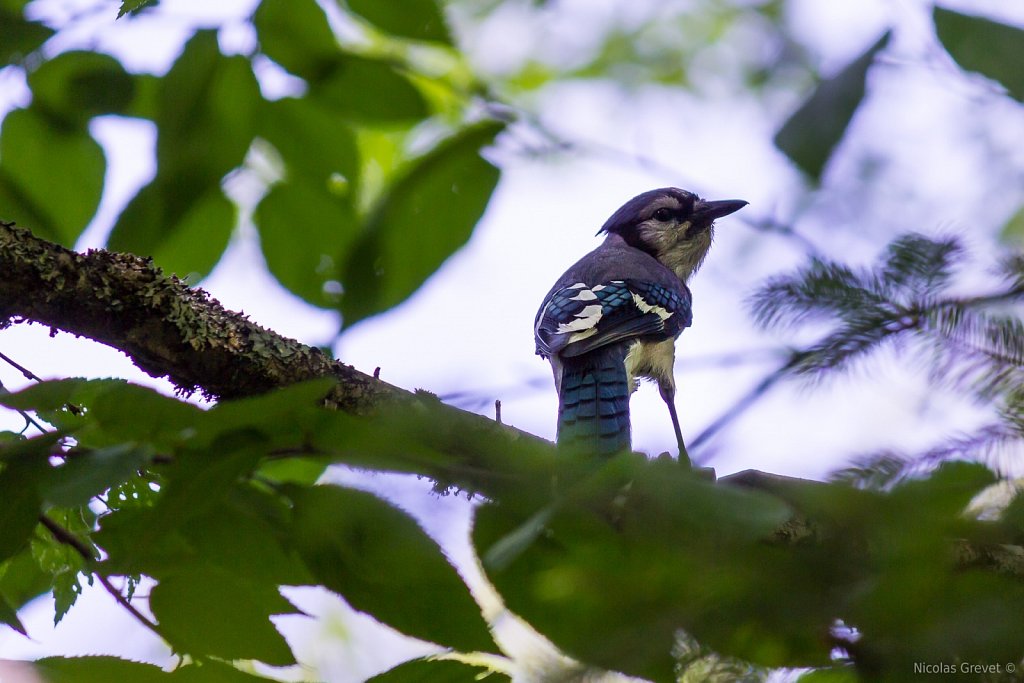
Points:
(668, 394)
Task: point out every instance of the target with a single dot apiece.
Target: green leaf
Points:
(296, 35)
(211, 671)
(129, 412)
(314, 145)
(1013, 232)
(19, 37)
(205, 125)
(9, 616)
(157, 540)
(209, 611)
(416, 19)
(75, 86)
(89, 474)
(282, 417)
(344, 87)
(837, 674)
(432, 670)
(54, 394)
(135, 6)
(635, 551)
(382, 563)
(246, 535)
(184, 233)
(304, 232)
(66, 589)
(294, 470)
(988, 47)
(22, 579)
(426, 214)
(96, 670)
(24, 466)
(29, 145)
(207, 111)
(103, 669)
(946, 492)
(814, 130)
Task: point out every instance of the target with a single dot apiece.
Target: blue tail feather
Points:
(593, 405)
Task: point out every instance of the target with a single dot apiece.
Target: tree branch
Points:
(171, 330)
(165, 327)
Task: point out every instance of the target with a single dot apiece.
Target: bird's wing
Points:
(581, 318)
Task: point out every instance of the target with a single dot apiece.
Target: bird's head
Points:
(672, 225)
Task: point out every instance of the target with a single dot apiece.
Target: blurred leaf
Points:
(205, 124)
(304, 232)
(211, 671)
(209, 611)
(96, 670)
(423, 217)
(75, 86)
(194, 246)
(22, 579)
(156, 540)
(24, 466)
(103, 669)
(345, 85)
(988, 47)
(416, 19)
(816, 128)
(89, 474)
(184, 233)
(296, 35)
(282, 417)
(38, 155)
(293, 470)
(129, 412)
(382, 563)
(838, 674)
(641, 550)
(313, 144)
(431, 670)
(19, 37)
(54, 394)
(946, 492)
(246, 535)
(1013, 232)
(145, 104)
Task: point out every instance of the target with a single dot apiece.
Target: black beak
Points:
(706, 212)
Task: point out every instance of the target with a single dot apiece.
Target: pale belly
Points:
(651, 360)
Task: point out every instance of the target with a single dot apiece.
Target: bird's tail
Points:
(593, 402)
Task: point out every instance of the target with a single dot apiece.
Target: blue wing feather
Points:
(579, 319)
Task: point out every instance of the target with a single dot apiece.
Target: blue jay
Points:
(614, 316)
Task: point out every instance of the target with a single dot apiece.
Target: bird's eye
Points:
(663, 214)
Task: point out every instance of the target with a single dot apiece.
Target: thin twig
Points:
(67, 538)
(28, 374)
(124, 602)
(29, 420)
